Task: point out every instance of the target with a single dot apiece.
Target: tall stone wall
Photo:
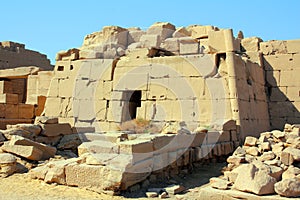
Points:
(199, 74)
(15, 55)
(282, 68)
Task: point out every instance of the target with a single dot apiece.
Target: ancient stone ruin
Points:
(131, 106)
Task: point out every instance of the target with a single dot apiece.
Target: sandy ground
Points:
(20, 186)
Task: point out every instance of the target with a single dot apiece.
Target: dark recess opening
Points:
(60, 68)
(134, 102)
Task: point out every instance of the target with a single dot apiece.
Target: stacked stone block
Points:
(282, 65)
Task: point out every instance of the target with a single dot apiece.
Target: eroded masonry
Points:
(148, 101)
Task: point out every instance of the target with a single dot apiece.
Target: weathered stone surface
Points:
(11, 132)
(46, 120)
(7, 158)
(97, 146)
(174, 189)
(151, 194)
(254, 180)
(32, 128)
(278, 134)
(71, 141)
(294, 152)
(250, 141)
(288, 187)
(235, 160)
(286, 158)
(267, 156)
(51, 130)
(19, 72)
(252, 151)
(291, 172)
(28, 152)
(219, 183)
(7, 164)
(47, 151)
(2, 138)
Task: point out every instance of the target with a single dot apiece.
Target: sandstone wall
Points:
(197, 74)
(282, 68)
(15, 55)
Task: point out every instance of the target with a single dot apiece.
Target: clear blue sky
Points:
(51, 26)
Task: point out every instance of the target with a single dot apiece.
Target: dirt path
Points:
(20, 186)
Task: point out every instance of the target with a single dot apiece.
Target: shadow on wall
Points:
(282, 108)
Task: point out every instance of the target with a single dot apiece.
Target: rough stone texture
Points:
(51, 130)
(254, 180)
(35, 129)
(288, 187)
(46, 120)
(7, 164)
(250, 141)
(28, 152)
(294, 152)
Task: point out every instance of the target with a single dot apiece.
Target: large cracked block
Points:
(47, 151)
(56, 129)
(188, 46)
(150, 41)
(28, 152)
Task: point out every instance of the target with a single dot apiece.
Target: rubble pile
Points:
(265, 165)
(23, 146)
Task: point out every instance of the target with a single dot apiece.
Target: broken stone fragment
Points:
(219, 183)
(288, 187)
(151, 194)
(8, 164)
(250, 141)
(32, 128)
(255, 180)
(28, 152)
(235, 160)
(278, 134)
(294, 152)
(174, 189)
(286, 158)
(45, 120)
(291, 172)
(51, 130)
(47, 151)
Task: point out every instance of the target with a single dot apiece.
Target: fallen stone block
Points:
(32, 128)
(28, 152)
(294, 152)
(219, 183)
(140, 149)
(151, 194)
(150, 41)
(69, 142)
(56, 129)
(174, 189)
(181, 32)
(286, 158)
(11, 132)
(45, 120)
(188, 46)
(255, 180)
(250, 141)
(47, 151)
(7, 164)
(288, 187)
(291, 172)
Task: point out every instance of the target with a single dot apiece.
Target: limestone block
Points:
(150, 41)
(46, 120)
(136, 146)
(221, 41)
(293, 93)
(278, 62)
(19, 72)
(164, 143)
(273, 47)
(288, 187)
(198, 31)
(93, 177)
(181, 32)
(51, 108)
(171, 44)
(134, 36)
(88, 54)
(9, 98)
(28, 152)
(98, 146)
(163, 29)
(56, 129)
(293, 46)
(11, 111)
(26, 111)
(7, 164)
(287, 76)
(47, 151)
(272, 77)
(294, 152)
(188, 46)
(251, 44)
(6, 87)
(32, 128)
(160, 161)
(258, 180)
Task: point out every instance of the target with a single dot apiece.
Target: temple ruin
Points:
(143, 102)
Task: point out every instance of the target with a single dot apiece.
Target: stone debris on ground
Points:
(265, 170)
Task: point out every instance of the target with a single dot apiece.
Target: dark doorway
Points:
(132, 102)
